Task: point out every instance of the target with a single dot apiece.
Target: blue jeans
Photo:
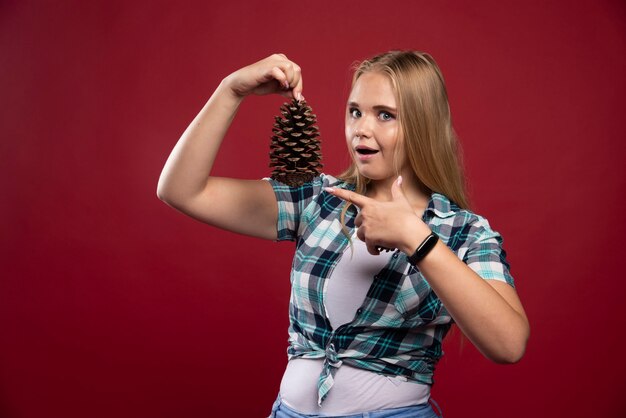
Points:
(280, 410)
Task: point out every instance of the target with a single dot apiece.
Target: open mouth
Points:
(366, 151)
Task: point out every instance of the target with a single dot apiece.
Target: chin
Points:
(372, 174)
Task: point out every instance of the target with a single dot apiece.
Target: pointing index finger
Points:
(348, 196)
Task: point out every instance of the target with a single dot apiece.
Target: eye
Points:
(384, 116)
(354, 112)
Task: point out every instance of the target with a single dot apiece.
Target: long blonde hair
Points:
(425, 124)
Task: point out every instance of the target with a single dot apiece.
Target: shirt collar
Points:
(440, 206)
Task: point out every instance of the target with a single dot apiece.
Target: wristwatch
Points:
(424, 248)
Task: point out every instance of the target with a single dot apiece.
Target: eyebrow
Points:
(376, 107)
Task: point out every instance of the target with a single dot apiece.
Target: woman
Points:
(388, 254)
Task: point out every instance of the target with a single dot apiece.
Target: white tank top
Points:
(355, 390)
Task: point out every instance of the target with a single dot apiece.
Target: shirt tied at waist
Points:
(326, 379)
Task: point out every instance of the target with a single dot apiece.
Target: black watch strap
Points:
(424, 248)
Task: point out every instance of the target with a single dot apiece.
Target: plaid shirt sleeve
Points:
(292, 202)
(485, 254)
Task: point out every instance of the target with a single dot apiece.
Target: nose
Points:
(363, 127)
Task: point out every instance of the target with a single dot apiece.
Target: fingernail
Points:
(329, 189)
(286, 85)
(300, 97)
(399, 180)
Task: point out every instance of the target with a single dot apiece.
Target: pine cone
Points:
(295, 149)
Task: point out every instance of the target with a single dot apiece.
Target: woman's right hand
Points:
(245, 206)
(275, 74)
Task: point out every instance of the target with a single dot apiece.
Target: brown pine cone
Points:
(295, 149)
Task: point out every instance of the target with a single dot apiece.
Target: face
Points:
(372, 129)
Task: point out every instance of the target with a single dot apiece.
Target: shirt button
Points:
(359, 311)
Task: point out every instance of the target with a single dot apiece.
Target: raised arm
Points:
(244, 206)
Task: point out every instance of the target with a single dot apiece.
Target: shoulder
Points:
(316, 185)
(308, 192)
(332, 181)
(456, 223)
(328, 180)
(471, 237)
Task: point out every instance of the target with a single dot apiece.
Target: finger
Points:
(296, 75)
(371, 248)
(290, 72)
(349, 196)
(288, 68)
(360, 233)
(297, 90)
(396, 190)
(295, 82)
(277, 74)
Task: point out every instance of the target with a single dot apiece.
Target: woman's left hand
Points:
(392, 224)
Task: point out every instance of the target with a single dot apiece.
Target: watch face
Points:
(424, 248)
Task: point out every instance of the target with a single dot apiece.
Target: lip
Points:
(365, 157)
(358, 147)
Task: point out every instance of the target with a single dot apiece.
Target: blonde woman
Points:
(388, 254)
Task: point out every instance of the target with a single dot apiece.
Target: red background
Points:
(114, 305)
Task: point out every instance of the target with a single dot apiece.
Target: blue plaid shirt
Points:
(399, 328)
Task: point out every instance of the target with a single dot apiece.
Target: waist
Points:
(354, 391)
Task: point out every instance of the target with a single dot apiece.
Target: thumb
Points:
(396, 189)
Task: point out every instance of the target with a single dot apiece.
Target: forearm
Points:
(188, 167)
(488, 312)
(497, 327)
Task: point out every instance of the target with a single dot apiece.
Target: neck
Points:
(381, 190)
